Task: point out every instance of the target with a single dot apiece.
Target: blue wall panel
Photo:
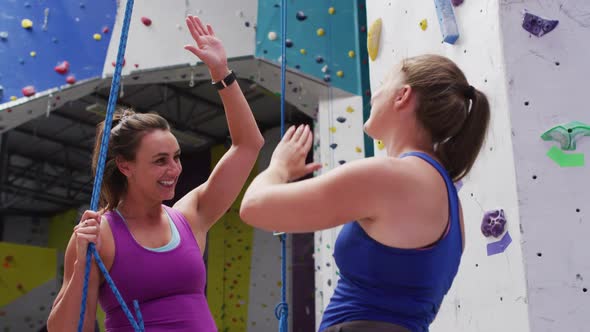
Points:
(341, 35)
(66, 36)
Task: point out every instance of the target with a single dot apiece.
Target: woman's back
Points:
(401, 286)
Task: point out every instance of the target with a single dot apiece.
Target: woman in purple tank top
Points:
(401, 240)
(154, 252)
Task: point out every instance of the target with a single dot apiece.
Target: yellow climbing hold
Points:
(349, 109)
(13, 98)
(358, 149)
(373, 38)
(303, 51)
(380, 145)
(424, 24)
(97, 36)
(332, 129)
(351, 54)
(33, 53)
(26, 23)
(340, 73)
(320, 32)
(331, 10)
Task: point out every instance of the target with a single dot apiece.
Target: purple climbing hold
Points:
(288, 43)
(300, 16)
(537, 25)
(341, 119)
(456, 2)
(493, 223)
(342, 162)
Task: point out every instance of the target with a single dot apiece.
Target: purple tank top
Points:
(169, 286)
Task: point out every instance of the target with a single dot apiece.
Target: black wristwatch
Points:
(229, 79)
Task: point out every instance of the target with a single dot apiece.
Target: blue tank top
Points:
(399, 286)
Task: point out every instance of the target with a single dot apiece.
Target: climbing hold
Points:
(565, 159)
(341, 162)
(54, 40)
(341, 119)
(340, 73)
(456, 2)
(288, 43)
(28, 90)
(63, 67)
(537, 25)
(325, 69)
(33, 54)
(500, 246)
(320, 32)
(3, 35)
(424, 25)
(300, 16)
(1, 92)
(493, 223)
(319, 59)
(349, 109)
(327, 78)
(333, 146)
(446, 19)
(114, 63)
(97, 36)
(272, 35)
(105, 30)
(567, 134)
(27, 5)
(13, 98)
(358, 149)
(26, 23)
(373, 39)
(71, 79)
(332, 129)
(146, 21)
(351, 54)
(380, 145)
(303, 51)
(331, 10)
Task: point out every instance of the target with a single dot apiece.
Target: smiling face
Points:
(154, 172)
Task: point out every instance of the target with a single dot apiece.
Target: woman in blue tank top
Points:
(402, 237)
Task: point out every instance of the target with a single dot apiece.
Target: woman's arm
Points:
(65, 313)
(354, 191)
(207, 203)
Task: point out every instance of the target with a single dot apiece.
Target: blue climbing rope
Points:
(282, 309)
(137, 325)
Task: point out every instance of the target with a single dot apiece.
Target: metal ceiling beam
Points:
(43, 196)
(65, 144)
(65, 182)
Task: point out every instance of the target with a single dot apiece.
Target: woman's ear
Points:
(123, 165)
(404, 96)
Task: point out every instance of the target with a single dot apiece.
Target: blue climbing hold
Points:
(301, 16)
(333, 145)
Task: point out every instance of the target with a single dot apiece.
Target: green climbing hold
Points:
(567, 134)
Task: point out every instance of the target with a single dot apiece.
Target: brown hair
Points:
(128, 128)
(443, 109)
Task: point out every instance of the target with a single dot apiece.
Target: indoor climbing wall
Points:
(27, 283)
(490, 291)
(243, 264)
(546, 57)
(158, 32)
(45, 45)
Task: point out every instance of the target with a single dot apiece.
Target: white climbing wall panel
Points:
(161, 43)
(547, 86)
(489, 293)
(339, 133)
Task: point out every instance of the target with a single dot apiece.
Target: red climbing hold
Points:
(146, 21)
(136, 65)
(63, 67)
(113, 63)
(28, 91)
(105, 30)
(71, 79)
